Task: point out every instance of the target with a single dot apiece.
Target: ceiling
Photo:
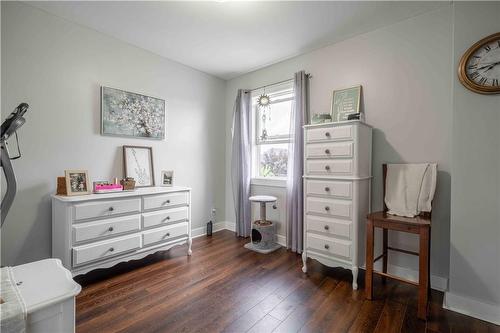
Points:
(231, 38)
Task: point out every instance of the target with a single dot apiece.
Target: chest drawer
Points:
(106, 208)
(165, 233)
(328, 245)
(329, 226)
(105, 249)
(329, 167)
(333, 188)
(165, 200)
(104, 228)
(164, 216)
(329, 133)
(330, 149)
(330, 207)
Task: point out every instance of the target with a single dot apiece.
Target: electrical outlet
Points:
(214, 212)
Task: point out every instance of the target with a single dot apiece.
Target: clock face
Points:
(479, 68)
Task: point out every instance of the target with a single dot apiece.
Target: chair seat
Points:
(383, 216)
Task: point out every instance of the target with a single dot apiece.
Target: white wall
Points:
(475, 198)
(405, 71)
(57, 67)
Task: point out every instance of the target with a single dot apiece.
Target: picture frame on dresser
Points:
(138, 164)
(77, 182)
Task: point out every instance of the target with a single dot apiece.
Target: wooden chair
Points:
(420, 225)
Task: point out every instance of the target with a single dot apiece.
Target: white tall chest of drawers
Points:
(100, 230)
(337, 178)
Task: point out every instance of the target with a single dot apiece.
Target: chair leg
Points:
(423, 280)
(385, 244)
(369, 260)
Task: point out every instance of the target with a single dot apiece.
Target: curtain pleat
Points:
(241, 162)
(295, 197)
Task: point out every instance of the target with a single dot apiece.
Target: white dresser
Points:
(337, 167)
(100, 230)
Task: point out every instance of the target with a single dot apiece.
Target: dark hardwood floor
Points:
(226, 288)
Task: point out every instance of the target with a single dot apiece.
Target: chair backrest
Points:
(384, 177)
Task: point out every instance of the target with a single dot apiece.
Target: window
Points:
(271, 131)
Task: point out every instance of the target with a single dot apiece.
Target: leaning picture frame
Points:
(77, 182)
(138, 164)
(345, 102)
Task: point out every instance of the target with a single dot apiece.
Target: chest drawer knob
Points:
(167, 218)
(327, 208)
(327, 167)
(166, 202)
(327, 246)
(111, 249)
(166, 235)
(110, 229)
(327, 151)
(111, 209)
(327, 134)
(327, 227)
(327, 189)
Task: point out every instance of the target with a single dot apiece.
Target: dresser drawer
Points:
(330, 149)
(330, 207)
(165, 200)
(329, 245)
(330, 133)
(165, 233)
(329, 226)
(333, 188)
(106, 208)
(104, 228)
(164, 216)
(105, 249)
(329, 167)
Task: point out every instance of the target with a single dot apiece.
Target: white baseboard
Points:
(437, 282)
(201, 231)
(281, 240)
(472, 307)
(231, 226)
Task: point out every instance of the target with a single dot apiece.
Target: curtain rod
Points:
(275, 84)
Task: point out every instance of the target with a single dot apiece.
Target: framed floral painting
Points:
(130, 114)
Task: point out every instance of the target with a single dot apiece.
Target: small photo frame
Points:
(345, 102)
(167, 178)
(77, 182)
(138, 164)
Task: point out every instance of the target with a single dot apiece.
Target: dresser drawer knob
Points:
(110, 229)
(327, 134)
(111, 209)
(327, 151)
(167, 218)
(167, 235)
(275, 207)
(166, 202)
(111, 249)
(327, 246)
(327, 189)
(327, 167)
(327, 208)
(327, 227)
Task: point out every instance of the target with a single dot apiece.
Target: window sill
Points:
(264, 181)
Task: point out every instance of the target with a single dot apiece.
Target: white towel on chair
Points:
(410, 188)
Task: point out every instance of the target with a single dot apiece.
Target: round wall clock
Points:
(479, 68)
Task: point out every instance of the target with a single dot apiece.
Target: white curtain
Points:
(241, 162)
(294, 184)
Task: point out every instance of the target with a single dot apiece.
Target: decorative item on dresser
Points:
(101, 230)
(138, 164)
(337, 180)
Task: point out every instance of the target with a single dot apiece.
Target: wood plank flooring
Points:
(226, 288)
